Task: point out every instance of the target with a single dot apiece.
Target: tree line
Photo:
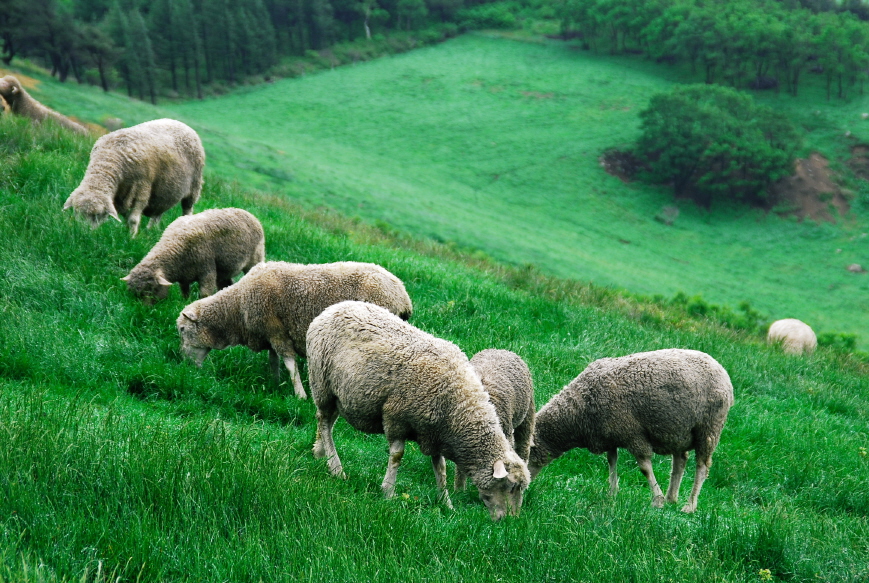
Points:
(150, 46)
(760, 44)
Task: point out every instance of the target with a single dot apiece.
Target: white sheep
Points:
(383, 375)
(22, 103)
(507, 380)
(796, 337)
(142, 170)
(666, 402)
(210, 248)
(272, 306)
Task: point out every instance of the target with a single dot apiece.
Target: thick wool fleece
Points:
(385, 376)
(22, 103)
(210, 248)
(666, 402)
(272, 306)
(143, 170)
(796, 337)
(507, 380)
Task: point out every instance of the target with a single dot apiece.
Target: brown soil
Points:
(810, 192)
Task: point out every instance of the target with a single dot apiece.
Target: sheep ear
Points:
(162, 280)
(114, 214)
(127, 278)
(14, 90)
(190, 315)
(499, 470)
(68, 203)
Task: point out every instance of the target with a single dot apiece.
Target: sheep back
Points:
(141, 170)
(507, 380)
(22, 103)
(384, 375)
(278, 300)
(210, 248)
(665, 401)
(796, 337)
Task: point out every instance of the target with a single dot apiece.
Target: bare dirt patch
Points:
(810, 192)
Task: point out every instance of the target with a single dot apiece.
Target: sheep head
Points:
(95, 208)
(147, 284)
(503, 485)
(196, 338)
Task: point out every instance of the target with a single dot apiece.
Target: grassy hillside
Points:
(119, 459)
(493, 144)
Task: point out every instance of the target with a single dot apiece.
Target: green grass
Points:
(121, 459)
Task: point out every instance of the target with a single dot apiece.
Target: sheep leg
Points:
(703, 463)
(154, 222)
(293, 367)
(140, 193)
(396, 452)
(208, 285)
(459, 483)
(612, 457)
(324, 446)
(288, 355)
(439, 464)
(185, 288)
(679, 461)
(645, 463)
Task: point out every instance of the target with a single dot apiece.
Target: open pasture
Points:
(120, 459)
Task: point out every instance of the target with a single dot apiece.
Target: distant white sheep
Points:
(210, 248)
(142, 170)
(22, 103)
(666, 402)
(272, 306)
(385, 376)
(507, 380)
(796, 337)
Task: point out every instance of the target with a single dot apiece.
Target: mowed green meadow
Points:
(120, 461)
(493, 143)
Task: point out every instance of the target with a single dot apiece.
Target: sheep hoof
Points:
(658, 502)
(689, 508)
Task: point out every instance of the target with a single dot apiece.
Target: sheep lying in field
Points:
(507, 380)
(385, 376)
(211, 248)
(665, 401)
(143, 170)
(22, 103)
(272, 306)
(796, 337)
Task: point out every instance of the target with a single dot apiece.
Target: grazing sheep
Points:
(143, 170)
(385, 376)
(22, 103)
(211, 248)
(507, 380)
(272, 306)
(665, 401)
(796, 337)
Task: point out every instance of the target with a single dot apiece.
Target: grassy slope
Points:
(118, 455)
(494, 144)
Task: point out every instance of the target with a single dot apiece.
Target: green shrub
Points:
(711, 142)
(499, 15)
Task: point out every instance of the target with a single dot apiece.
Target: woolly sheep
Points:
(796, 337)
(211, 248)
(507, 380)
(666, 401)
(385, 376)
(142, 170)
(272, 306)
(22, 103)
